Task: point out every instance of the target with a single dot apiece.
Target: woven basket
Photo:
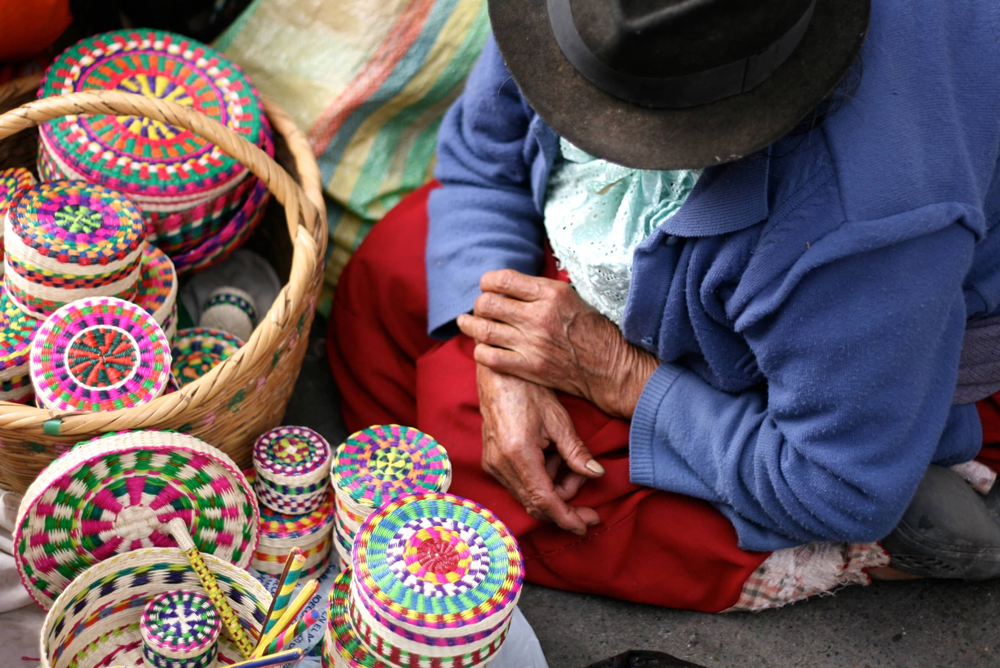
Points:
(244, 396)
(95, 621)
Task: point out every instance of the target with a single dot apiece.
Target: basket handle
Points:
(300, 209)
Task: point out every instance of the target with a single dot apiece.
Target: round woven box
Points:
(67, 240)
(162, 167)
(17, 331)
(157, 291)
(279, 533)
(197, 350)
(347, 647)
(99, 354)
(379, 464)
(435, 575)
(293, 469)
(231, 310)
(96, 621)
(116, 493)
(12, 181)
(180, 629)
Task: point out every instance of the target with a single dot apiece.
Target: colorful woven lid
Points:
(180, 625)
(351, 642)
(437, 564)
(66, 240)
(197, 350)
(12, 181)
(17, 331)
(381, 463)
(292, 455)
(116, 493)
(157, 293)
(99, 354)
(147, 159)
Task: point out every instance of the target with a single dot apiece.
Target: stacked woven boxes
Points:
(199, 204)
(291, 477)
(434, 581)
(378, 465)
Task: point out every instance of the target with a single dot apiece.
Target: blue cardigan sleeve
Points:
(483, 217)
(859, 344)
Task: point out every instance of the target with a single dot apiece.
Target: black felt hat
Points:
(672, 84)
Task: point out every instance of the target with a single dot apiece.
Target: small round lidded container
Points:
(293, 469)
(180, 629)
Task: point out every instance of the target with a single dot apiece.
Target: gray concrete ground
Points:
(886, 624)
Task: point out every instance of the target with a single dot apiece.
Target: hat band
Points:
(674, 92)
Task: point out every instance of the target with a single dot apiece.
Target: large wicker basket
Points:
(245, 395)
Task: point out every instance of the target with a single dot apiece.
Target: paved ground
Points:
(888, 624)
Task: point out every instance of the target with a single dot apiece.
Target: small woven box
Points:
(99, 354)
(231, 310)
(12, 182)
(157, 292)
(197, 350)
(293, 469)
(379, 464)
(68, 240)
(180, 629)
(17, 331)
(279, 533)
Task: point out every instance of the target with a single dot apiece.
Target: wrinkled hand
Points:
(540, 330)
(520, 421)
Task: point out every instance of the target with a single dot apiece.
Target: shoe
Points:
(948, 530)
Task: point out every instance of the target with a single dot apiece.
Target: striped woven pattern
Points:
(99, 354)
(65, 240)
(180, 629)
(17, 331)
(116, 493)
(293, 469)
(370, 99)
(279, 532)
(96, 620)
(197, 350)
(12, 181)
(232, 310)
(157, 290)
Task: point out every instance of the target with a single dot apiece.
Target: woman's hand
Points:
(520, 420)
(542, 331)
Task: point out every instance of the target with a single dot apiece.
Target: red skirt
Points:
(651, 546)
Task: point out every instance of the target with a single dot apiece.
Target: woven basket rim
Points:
(305, 214)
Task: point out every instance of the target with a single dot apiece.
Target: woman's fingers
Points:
(536, 492)
(491, 332)
(493, 306)
(512, 283)
(570, 485)
(501, 360)
(576, 455)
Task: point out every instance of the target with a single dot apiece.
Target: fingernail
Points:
(580, 532)
(595, 467)
(460, 319)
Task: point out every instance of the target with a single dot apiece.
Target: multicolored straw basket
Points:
(157, 293)
(99, 354)
(66, 240)
(231, 310)
(96, 622)
(293, 469)
(12, 182)
(198, 350)
(17, 331)
(279, 533)
(116, 493)
(180, 629)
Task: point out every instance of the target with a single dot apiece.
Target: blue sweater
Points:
(808, 302)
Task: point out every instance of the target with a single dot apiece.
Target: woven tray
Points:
(244, 396)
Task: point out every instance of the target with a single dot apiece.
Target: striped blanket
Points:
(369, 82)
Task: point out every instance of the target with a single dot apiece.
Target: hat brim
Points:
(710, 134)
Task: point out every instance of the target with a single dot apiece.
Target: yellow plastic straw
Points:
(288, 617)
(230, 621)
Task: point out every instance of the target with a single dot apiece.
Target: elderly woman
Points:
(687, 305)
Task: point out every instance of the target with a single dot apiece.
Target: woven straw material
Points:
(245, 395)
(180, 629)
(116, 493)
(381, 463)
(157, 291)
(147, 159)
(216, 248)
(12, 181)
(178, 231)
(95, 622)
(196, 351)
(438, 565)
(67, 240)
(231, 310)
(17, 331)
(169, 328)
(280, 532)
(99, 354)
(348, 645)
(293, 469)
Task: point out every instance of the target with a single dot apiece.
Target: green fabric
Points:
(597, 212)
